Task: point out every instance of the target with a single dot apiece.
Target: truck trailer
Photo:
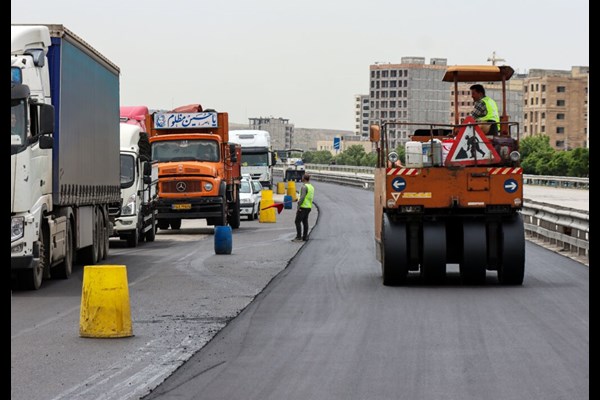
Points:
(64, 152)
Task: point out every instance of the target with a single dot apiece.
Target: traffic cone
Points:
(105, 311)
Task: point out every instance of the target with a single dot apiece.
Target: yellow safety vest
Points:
(308, 199)
(492, 111)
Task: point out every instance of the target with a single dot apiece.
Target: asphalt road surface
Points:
(181, 295)
(326, 328)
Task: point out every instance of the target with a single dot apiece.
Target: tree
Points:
(579, 162)
(351, 156)
(559, 163)
(532, 144)
(317, 157)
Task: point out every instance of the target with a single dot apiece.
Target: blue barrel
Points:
(287, 202)
(223, 240)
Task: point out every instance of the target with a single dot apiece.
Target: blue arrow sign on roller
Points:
(510, 185)
(398, 184)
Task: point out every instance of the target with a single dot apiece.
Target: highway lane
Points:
(326, 328)
(181, 294)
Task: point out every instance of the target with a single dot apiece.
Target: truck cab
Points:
(64, 160)
(199, 170)
(139, 180)
(257, 157)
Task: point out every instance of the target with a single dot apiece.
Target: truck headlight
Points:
(129, 207)
(17, 228)
(208, 186)
(246, 201)
(393, 157)
(515, 156)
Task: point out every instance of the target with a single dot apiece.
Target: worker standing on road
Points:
(485, 110)
(305, 202)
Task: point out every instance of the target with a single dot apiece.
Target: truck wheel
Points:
(90, 253)
(221, 220)
(133, 238)
(163, 224)
(433, 252)
(511, 270)
(102, 233)
(31, 279)
(176, 224)
(234, 221)
(141, 234)
(474, 257)
(106, 242)
(151, 233)
(394, 263)
(64, 269)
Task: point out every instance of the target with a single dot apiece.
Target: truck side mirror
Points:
(374, 133)
(147, 180)
(147, 169)
(232, 153)
(273, 158)
(46, 142)
(46, 119)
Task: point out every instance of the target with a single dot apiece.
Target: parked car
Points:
(250, 196)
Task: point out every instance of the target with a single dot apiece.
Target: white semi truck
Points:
(64, 153)
(257, 156)
(139, 179)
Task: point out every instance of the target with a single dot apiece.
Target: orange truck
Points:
(199, 171)
(455, 200)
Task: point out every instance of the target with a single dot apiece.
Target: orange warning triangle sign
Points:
(471, 147)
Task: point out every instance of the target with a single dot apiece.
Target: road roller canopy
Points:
(478, 73)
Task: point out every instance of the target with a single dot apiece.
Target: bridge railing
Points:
(544, 180)
(554, 225)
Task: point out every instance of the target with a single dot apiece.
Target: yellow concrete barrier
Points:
(268, 215)
(291, 190)
(280, 187)
(105, 311)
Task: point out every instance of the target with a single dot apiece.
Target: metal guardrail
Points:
(543, 180)
(562, 227)
(566, 228)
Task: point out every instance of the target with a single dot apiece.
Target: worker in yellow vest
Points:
(305, 202)
(485, 110)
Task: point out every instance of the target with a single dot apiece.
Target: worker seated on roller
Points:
(485, 110)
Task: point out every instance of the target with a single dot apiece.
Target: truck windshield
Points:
(127, 170)
(17, 123)
(185, 150)
(255, 160)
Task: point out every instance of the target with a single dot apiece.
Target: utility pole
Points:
(493, 58)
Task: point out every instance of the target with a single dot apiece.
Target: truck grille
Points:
(183, 186)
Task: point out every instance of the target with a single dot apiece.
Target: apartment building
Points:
(411, 91)
(361, 115)
(282, 132)
(555, 103)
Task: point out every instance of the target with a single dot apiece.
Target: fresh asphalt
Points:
(326, 328)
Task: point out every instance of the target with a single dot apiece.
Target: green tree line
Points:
(537, 158)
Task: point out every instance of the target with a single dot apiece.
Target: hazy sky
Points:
(304, 60)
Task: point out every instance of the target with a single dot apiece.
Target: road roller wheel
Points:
(474, 257)
(394, 263)
(512, 257)
(433, 252)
